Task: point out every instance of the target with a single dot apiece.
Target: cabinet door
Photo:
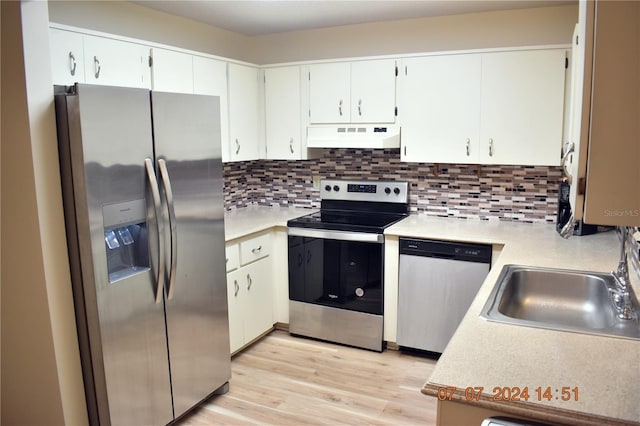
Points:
(67, 57)
(522, 107)
(330, 93)
(373, 91)
(296, 262)
(234, 300)
(255, 282)
(439, 110)
(210, 78)
(243, 113)
(282, 111)
(171, 71)
(116, 63)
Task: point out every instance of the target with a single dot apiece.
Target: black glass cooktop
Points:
(341, 220)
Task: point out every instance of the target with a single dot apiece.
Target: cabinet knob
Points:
(96, 67)
(72, 63)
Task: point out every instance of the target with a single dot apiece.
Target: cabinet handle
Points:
(237, 288)
(468, 144)
(340, 107)
(96, 66)
(250, 281)
(291, 145)
(300, 259)
(308, 256)
(360, 107)
(490, 147)
(237, 146)
(72, 63)
(568, 149)
(256, 250)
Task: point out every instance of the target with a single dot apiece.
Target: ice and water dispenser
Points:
(126, 239)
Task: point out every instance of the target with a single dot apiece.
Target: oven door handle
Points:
(362, 237)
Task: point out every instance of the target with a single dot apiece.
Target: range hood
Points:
(353, 136)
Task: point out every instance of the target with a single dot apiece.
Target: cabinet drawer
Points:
(233, 256)
(255, 248)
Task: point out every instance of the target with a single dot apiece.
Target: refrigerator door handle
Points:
(157, 206)
(166, 183)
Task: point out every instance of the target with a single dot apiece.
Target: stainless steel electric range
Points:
(336, 262)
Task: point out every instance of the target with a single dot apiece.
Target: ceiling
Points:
(254, 18)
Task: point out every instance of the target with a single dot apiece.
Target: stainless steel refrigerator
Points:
(143, 196)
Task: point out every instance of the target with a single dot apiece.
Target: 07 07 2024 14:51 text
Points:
(510, 393)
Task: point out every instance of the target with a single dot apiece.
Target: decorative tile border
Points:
(509, 193)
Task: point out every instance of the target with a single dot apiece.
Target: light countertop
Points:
(487, 354)
(245, 221)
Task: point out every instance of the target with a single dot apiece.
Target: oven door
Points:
(336, 268)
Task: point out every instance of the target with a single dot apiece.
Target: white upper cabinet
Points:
(67, 56)
(484, 108)
(522, 107)
(373, 91)
(440, 109)
(243, 90)
(283, 113)
(116, 63)
(330, 93)
(171, 71)
(353, 92)
(210, 78)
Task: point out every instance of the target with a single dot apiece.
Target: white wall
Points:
(41, 374)
(524, 27)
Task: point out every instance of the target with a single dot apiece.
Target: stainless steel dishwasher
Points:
(437, 283)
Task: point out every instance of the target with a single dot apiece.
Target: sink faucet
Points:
(621, 294)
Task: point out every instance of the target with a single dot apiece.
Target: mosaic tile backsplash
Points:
(509, 193)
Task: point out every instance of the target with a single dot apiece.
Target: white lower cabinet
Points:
(249, 290)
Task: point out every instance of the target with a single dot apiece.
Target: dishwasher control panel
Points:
(446, 250)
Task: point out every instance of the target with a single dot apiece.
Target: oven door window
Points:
(341, 274)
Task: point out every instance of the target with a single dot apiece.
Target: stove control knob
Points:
(387, 190)
(327, 188)
(396, 191)
(336, 188)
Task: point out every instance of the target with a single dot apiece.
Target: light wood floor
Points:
(285, 380)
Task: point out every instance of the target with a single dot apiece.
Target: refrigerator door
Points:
(188, 152)
(105, 137)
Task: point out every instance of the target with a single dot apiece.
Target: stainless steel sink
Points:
(558, 299)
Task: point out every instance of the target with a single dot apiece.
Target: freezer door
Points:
(188, 152)
(105, 136)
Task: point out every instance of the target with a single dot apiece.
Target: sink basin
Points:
(558, 299)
